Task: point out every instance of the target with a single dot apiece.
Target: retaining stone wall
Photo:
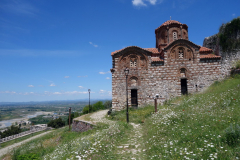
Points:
(81, 126)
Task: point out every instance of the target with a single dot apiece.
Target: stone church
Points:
(175, 67)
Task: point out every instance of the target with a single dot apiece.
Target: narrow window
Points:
(133, 63)
(174, 36)
(180, 54)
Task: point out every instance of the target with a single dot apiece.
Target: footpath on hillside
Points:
(8, 149)
(133, 148)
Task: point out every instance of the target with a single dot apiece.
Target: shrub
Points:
(56, 123)
(232, 135)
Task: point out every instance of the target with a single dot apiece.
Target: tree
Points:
(56, 123)
(108, 104)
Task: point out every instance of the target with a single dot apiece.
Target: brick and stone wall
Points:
(81, 126)
(166, 69)
(164, 80)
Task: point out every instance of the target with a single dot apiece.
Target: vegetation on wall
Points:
(10, 131)
(229, 35)
(97, 106)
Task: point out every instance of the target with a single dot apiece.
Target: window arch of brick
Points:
(133, 81)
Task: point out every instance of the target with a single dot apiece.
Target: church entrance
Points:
(184, 86)
(134, 99)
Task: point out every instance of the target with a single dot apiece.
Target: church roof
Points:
(169, 22)
(152, 50)
(156, 59)
(180, 41)
(209, 56)
(205, 50)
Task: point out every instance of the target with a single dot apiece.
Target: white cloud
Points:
(81, 87)
(57, 93)
(66, 76)
(52, 85)
(104, 72)
(10, 92)
(153, 2)
(30, 86)
(102, 91)
(107, 78)
(140, 3)
(94, 45)
(233, 14)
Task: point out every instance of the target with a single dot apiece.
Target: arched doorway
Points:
(134, 98)
(184, 89)
(134, 92)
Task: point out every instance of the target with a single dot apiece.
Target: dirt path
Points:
(133, 148)
(8, 149)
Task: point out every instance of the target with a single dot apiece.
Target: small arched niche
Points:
(183, 73)
(134, 82)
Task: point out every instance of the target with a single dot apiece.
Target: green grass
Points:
(196, 129)
(198, 126)
(135, 115)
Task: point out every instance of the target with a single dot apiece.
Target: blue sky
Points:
(57, 50)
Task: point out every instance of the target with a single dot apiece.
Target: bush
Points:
(56, 123)
(232, 135)
(10, 131)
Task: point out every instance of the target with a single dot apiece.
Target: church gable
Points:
(133, 58)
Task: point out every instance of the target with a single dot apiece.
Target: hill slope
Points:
(200, 126)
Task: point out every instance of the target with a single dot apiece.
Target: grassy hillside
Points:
(199, 126)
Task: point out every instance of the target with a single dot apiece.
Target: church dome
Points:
(170, 22)
(170, 31)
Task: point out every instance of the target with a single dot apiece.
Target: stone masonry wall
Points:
(163, 80)
(81, 126)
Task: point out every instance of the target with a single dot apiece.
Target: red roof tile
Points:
(209, 56)
(170, 22)
(153, 50)
(205, 50)
(156, 59)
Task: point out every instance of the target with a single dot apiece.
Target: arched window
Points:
(133, 82)
(174, 36)
(183, 72)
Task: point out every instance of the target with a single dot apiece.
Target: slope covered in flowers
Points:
(199, 126)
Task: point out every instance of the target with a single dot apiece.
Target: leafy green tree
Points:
(108, 104)
(97, 106)
(56, 123)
